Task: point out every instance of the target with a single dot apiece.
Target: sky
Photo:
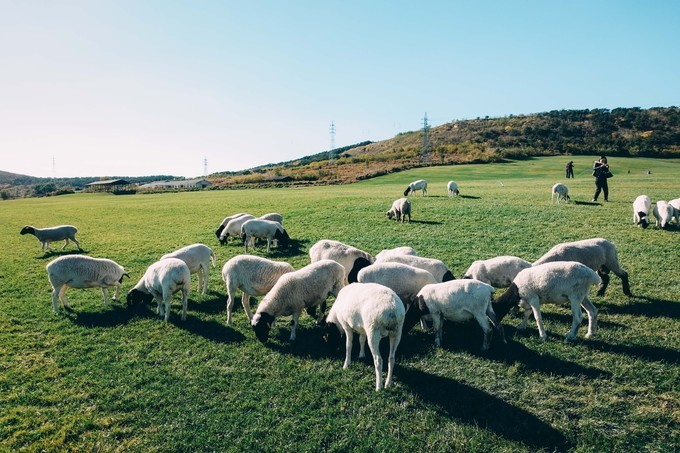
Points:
(140, 87)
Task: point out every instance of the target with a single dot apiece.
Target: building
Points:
(177, 184)
(114, 186)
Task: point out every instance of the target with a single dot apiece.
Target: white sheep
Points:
(437, 268)
(233, 228)
(198, 257)
(304, 289)
(561, 191)
(676, 210)
(53, 234)
(80, 271)
(498, 272)
(273, 216)
(160, 281)
(458, 301)
(664, 213)
(405, 250)
(399, 210)
(374, 312)
(420, 184)
(351, 258)
(556, 282)
(225, 221)
(452, 188)
(254, 276)
(641, 207)
(263, 229)
(598, 254)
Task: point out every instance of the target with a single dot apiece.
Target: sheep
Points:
(641, 207)
(351, 258)
(420, 184)
(435, 267)
(52, 234)
(676, 210)
(459, 300)
(198, 257)
(664, 213)
(404, 280)
(225, 221)
(561, 191)
(79, 271)
(498, 272)
(597, 253)
(233, 228)
(294, 291)
(399, 210)
(554, 282)
(254, 276)
(406, 250)
(452, 189)
(274, 216)
(263, 229)
(373, 311)
(161, 280)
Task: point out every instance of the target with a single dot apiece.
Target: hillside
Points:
(629, 132)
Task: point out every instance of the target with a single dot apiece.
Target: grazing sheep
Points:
(53, 234)
(374, 312)
(233, 228)
(160, 281)
(273, 216)
(254, 276)
(406, 250)
(676, 210)
(79, 271)
(303, 289)
(498, 272)
(225, 221)
(420, 184)
(641, 207)
(555, 282)
(399, 210)
(351, 258)
(263, 229)
(452, 188)
(597, 253)
(198, 258)
(664, 213)
(435, 267)
(459, 300)
(561, 191)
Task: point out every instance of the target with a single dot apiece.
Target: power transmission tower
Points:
(331, 131)
(205, 166)
(54, 168)
(425, 149)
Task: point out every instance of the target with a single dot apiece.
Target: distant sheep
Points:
(399, 210)
(160, 281)
(406, 250)
(556, 282)
(80, 271)
(435, 267)
(225, 221)
(263, 229)
(561, 191)
(452, 188)
(420, 184)
(374, 312)
(233, 228)
(254, 276)
(498, 272)
(597, 253)
(351, 258)
(53, 234)
(664, 213)
(198, 257)
(641, 207)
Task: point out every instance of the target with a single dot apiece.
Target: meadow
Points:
(113, 378)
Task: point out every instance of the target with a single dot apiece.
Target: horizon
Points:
(154, 88)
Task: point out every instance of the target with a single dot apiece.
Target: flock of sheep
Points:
(378, 296)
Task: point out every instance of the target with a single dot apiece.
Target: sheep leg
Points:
(293, 329)
(536, 310)
(269, 241)
(603, 272)
(106, 295)
(55, 297)
(395, 338)
(592, 317)
(374, 346)
(497, 325)
(166, 304)
(185, 302)
(245, 301)
(349, 336)
(577, 318)
(362, 345)
(438, 326)
(115, 295)
(62, 297)
(77, 243)
(486, 328)
(526, 314)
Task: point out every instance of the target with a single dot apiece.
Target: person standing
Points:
(601, 173)
(570, 169)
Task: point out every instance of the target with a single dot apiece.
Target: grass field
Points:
(110, 378)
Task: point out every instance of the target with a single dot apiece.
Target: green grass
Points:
(108, 378)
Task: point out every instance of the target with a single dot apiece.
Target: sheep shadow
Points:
(643, 352)
(426, 222)
(586, 203)
(646, 306)
(211, 303)
(469, 197)
(295, 247)
(478, 408)
(210, 330)
(116, 315)
(57, 253)
(566, 319)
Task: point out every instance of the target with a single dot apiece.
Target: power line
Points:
(205, 166)
(331, 131)
(424, 155)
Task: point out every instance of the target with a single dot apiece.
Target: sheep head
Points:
(135, 296)
(262, 324)
(27, 230)
(510, 298)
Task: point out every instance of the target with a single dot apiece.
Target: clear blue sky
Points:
(136, 87)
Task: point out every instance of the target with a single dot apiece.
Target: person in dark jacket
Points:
(570, 169)
(601, 173)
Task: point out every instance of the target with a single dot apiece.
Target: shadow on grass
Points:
(58, 253)
(645, 306)
(212, 303)
(477, 408)
(116, 315)
(566, 319)
(471, 197)
(210, 330)
(295, 247)
(426, 222)
(586, 203)
(642, 352)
